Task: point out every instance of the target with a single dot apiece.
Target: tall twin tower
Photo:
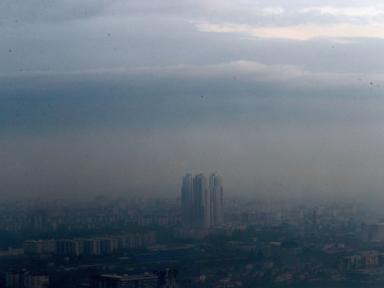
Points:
(202, 201)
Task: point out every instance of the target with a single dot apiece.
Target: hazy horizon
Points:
(124, 97)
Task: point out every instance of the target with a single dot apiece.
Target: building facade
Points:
(216, 195)
(202, 201)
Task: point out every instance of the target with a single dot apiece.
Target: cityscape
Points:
(191, 144)
(202, 238)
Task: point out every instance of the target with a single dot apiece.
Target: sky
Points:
(282, 98)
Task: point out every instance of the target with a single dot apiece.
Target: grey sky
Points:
(126, 96)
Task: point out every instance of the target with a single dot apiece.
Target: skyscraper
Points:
(216, 195)
(187, 199)
(202, 201)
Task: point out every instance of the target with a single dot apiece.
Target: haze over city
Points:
(125, 97)
(191, 144)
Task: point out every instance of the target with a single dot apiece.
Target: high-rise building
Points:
(202, 201)
(187, 199)
(216, 194)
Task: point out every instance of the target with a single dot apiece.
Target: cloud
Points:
(300, 22)
(303, 32)
(265, 128)
(102, 95)
(244, 71)
(225, 8)
(346, 11)
(170, 96)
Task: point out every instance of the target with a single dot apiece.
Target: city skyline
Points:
(191, 143)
